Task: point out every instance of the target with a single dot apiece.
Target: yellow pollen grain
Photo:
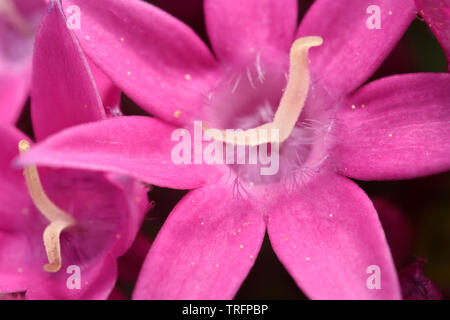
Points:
(245, 224)
(308, 259)
(353, 107)
(390, 135)
(88, 38)
(241, 246)
(239, 230)
(177, 114)
(286, 238)
(122, 39)
(390, 13)
(129, 73)
(251, 256)
(188, 77)
(331, 215)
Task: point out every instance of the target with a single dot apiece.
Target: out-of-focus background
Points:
(425, 202)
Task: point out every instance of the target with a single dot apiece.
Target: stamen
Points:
(9, 10)
(59, 219)
(291, 103)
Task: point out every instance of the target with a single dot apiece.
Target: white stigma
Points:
(291, 104)
(59, 219)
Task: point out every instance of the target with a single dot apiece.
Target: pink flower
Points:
(18, 23)
(437, 15)
(322, 226)
(415, 285)
(19, 20)
(61, 231)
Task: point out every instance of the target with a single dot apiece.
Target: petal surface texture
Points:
(396, 128)
(328, 236)
(205, 249)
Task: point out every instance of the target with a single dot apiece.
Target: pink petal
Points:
(135, 194)
(16, 44)
(156, 60)
(13, 95)
(437, 15)
(109, 93)
(205, 249)
(17, 271)
(327, 236)
(63, 89)
(13, 196)
(402, 132)
(240, 30)
(136, 146)
(351, 51)
(130, 264)
(106, 216)
(97, 282)
(17, 266)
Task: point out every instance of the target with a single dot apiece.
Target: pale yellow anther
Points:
(291, 104)
(59, 219)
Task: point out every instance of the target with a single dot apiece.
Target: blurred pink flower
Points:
(415, 285)
(437, 15)
(86, 219)
(130, 264)
(19, 20)
(398, 230)
(18, 23)
(322, 226)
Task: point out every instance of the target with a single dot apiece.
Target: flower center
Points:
(290, 106)
(59, 219)
(9, 10)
